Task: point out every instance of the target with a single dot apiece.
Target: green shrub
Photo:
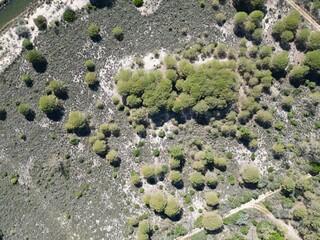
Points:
(220, 163)
(279, 62)
(91, 79)
(26, 79)
(144, 227)
(158, 201)
(264, 118)
(211, 179)
(173, 208)
(287, 103)
(211, 221)
(278, 150)
(198, 166)
(112, 157)
(250, 174)
(77, 121)
(170, 62)
(314, 41)
(117, 32)
(177, 152)
(175, 177)
(37, 60)
(100, 147)
(138, 3)
(27, 44)
(196, 179)
(24, 109)
(40, 22)
(156, 152)
(135, 179)
(286, 37)
(297, 75)
(147, 171)
(58, 88)
(302, 37)
(312, 60)
(93, 31)
(288, 185)
(220, 18)
(69, 15)
(299, 211)
(89, 64)
(49, 104)
(212, 199)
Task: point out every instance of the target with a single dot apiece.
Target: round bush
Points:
(264, 118)
(77, 121)
(117, 32)
(138, 3)
(220, 18)
(135, 179)
(175, 177)
(158, 202)
(196, 179)
(144, 227)
(147, 171)
(93, 30)
(250, 174)
(211, 221)
(312, 60)
(89, 64)
(220, 162)
(27, 44)
(24, 109)
(69, 15)
(112, 157)
(173, 208)
(288, 185)
(49, 104)
(36, 58)
(175, 164)
(58, 88)
(211, 179)
(100, 147)
(91, 79)
(299, 211)
(198, 166)
(278, 150)
(26, 79)
(40, 22)
(212, 199)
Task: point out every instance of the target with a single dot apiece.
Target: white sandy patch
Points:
(149, 7)
(10, 42)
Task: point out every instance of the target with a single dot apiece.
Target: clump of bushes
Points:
(77, 121)
(173, 208)
(91, 79)
(264, 118)
(58, 88)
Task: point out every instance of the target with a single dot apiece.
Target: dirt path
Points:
(304, 14)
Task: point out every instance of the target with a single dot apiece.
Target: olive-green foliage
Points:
(112, 157)
(302, 37)
(177, 152)
(173, 208)
(287, 103)
(279, 62)
(256, 17)
(143, 229)
(170, 62)
(211, 179)
(89, 64)
(26, 79)
(246, 135)
(117, 32)
(91, 79)
(250, 174)
(49, 104)
(297, 75)
(198, 166)
(278, 150)
(175, 176)
(135, 179)
(286, 36)
(27, 44)
(24, 109)
(289, 23)
(36, 58)
(312, 60)
(93, 30)
(158, 201)
(212, 199)
(299, 211)
(220, 162)
(138, 3)
(77, 121)
(220, 18)
(265, 51)
(266, 231)
(69, 15)
(40, 22)
(264, 118)
(196, 179)
(211, 221)
(147, 171)
(100, 147)
(288, 185)
(207, 87)
(314, 41)
(58, 88)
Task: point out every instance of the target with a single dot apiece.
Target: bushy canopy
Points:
(250, 174)
(211, 221)
(196, 179)
(173, 208)
(212, 199)
(158, 201)
(49, 104)
(77, 121)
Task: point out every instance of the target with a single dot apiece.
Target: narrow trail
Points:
(304, 14)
